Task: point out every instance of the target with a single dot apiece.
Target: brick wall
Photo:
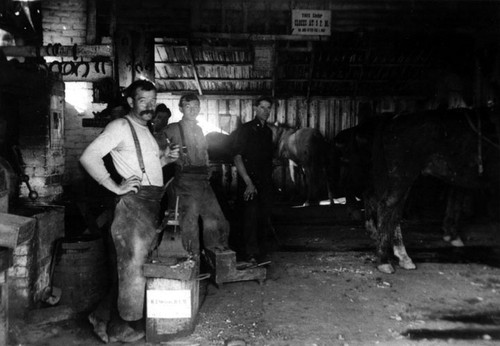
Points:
(79, 106)
(30, 273)
(64, 21)
(41, 137)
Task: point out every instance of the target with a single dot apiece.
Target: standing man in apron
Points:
(139, 162)
(191, 183)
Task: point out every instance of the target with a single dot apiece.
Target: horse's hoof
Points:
(408, 265)
(457, 242)
(386, 268)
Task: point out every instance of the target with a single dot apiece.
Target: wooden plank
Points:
(195, 71)
(213, 112)
(51, 315)
(185, 270)
(125, 61)
(4, 307)
(75, 51)
(257, 37)
(224, 118)
(302, 112)
(143, 55)
(15, 229)
(281, 111)
(204, 109)
(323, 117)
(291, 112)
(246, 111)
(234, 111)
(313, 114)
(91, 22)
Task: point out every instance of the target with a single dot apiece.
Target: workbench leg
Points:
(4, 308)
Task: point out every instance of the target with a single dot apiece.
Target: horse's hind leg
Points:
(390, 240)
(400, 251)
(451, 220)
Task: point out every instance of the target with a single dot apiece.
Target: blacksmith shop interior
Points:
(349, 151)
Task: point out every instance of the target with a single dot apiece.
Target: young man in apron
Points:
(192, 186)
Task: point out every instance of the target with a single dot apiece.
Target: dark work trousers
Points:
(133, 230)
(197, 199)
(255, 219)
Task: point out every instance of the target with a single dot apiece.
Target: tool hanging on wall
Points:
(33, 195)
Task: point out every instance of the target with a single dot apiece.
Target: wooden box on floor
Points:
(172, 299)
(223, 268)
(5, 264)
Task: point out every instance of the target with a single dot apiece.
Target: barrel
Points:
(81, 272)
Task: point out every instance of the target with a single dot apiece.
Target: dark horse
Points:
(458, 146)
(304, 148)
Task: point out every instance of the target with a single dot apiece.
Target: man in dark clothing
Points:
(191, 183)
(253, 150)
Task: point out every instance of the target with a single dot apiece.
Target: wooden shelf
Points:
(202, 62)
(216, 79)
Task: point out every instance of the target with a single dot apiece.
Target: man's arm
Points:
(93, 163)
(250, 190)
(171, 152)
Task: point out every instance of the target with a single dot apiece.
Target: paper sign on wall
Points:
(311, 22)
(168, 304)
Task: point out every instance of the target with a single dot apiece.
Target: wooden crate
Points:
(223, 268)
(172, 300)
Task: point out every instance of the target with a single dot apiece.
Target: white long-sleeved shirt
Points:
(117, 140)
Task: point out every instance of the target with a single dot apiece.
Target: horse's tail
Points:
(319, 162)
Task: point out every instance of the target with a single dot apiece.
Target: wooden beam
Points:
(216, 79)
(91, 22)
(193, 66)
(75, 51)
(275, 69)
(311, 71)
(251, 37)
(204, 63)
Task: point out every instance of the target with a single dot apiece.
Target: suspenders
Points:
(138, 149)
(184, 152)
(137, 146)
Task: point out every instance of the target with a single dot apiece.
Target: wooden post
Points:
(143, 56)
(124, 58)
(310, 77)
(91, 22)
(193, 66)
(4, 307)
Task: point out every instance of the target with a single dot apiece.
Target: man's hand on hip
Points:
(130, 184)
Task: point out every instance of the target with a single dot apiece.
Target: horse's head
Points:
(276, 130)
(280, 136)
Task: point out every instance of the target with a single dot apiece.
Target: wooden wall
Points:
(329, 115)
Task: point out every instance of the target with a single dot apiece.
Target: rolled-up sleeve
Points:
(91, 158)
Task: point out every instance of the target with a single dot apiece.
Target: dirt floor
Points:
(322, 288)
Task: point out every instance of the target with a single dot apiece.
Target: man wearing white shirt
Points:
(138, 160)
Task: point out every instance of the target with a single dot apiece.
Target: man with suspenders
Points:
(138, 160)
(192, 186)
